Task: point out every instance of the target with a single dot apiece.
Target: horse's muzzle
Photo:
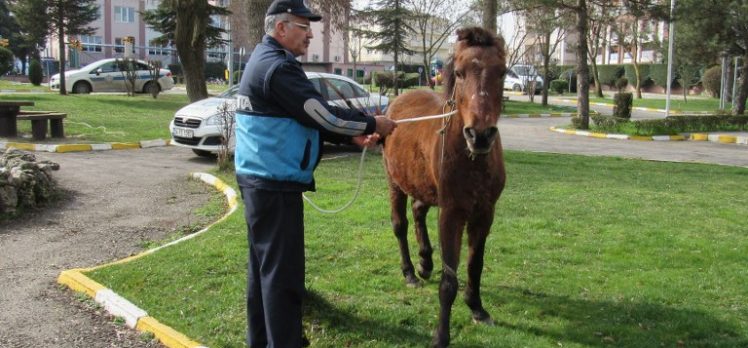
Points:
(480, 142)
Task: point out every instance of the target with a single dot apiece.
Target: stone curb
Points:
(717, 138)
(117, 305)
(61, 148)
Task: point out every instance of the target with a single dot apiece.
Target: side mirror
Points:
(98, 71)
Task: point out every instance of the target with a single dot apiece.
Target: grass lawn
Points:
(584, 252)
(107, 117)
(22, 87)
(693, 104)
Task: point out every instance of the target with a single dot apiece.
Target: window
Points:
(124, 14)
(337, 89)
(155, 49)
(119, 46)
(91, 43)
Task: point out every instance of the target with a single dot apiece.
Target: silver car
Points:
(199, 125)
(105, 76)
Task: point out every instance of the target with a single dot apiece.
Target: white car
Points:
(105, 76)
(519, 76)
(199, 125)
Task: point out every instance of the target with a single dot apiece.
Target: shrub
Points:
(712, 79)
(630, 73)
(658, 74)
(621, 84)
(385, 79)
(35, 72)
(6, 60)
(559, 86)
(623, 103)
(610, 73)
(215, 70)
(176, 69)
(608, 123)
(238, 76)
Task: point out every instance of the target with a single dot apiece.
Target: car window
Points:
(511, 74)
(142, 66)
(338, 89)
(229, 93)
(317, 85)
(108, 67)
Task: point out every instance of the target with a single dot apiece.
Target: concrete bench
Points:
(39, 121)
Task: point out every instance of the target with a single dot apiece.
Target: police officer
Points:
(281, 124)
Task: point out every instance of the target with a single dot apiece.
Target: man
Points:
(281, 122)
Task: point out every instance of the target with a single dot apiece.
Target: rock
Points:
(24, 183)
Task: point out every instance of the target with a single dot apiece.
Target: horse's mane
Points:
(467, 37)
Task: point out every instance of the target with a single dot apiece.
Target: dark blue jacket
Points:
(282, 121)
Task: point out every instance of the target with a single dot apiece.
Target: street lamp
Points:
(671, 41)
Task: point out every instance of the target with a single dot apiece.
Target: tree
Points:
(33, 24)
(392, 32)
(600, 18)
(187, 23)
(712, 28)
(431, 30)
(70, 17)
(549, 27)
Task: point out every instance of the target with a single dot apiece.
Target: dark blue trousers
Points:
(275, 275)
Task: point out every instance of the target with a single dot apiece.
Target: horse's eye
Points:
(459, 73)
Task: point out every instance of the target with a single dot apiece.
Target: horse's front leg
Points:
(478, 228)
(426, 264)
(399, 202)
(450, 240)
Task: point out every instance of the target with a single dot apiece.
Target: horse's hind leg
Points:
(399, 202)
(477, 229)
(426, 264)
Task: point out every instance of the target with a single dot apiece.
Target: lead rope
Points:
(446, 117)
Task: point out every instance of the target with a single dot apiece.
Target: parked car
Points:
(199, 125)
(105, 76)
(518, 78)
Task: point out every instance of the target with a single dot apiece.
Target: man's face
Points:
(295, 35)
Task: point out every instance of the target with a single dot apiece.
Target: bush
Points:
(35, 72)
(609, 124)
(621, 84)
(658, 74)
(176, 69)
(671, 124)
(712, 79)
(559, 86)
(623, 103)
(385, 79)
(6, 60)
(630, 73)
(610, 73)
(238, 76)
(215, 70)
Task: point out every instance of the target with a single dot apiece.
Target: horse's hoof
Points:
(412, 282)
(439, 342)
(482, 317)
(424, 274)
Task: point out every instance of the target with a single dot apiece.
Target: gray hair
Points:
(270, 21)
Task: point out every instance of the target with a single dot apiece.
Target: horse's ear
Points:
(449, 76)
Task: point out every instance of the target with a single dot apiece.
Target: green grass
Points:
(107, 118)
(693, 104)
(584, 252)
(22, 87)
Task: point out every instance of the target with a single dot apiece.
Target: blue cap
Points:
(294, 7)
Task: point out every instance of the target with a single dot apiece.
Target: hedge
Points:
(671, 125)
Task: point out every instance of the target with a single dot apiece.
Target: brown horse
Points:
(461, 171)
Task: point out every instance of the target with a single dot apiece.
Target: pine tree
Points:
(70, 17)
(392, 30)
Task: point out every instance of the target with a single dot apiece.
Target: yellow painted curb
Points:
(677, 137)
(125, 146)
(598, 135)
(699, 137)
(727, 139)
(168, 336)
(75, 280)
(640, 138)
(23, 146)
(74, 147)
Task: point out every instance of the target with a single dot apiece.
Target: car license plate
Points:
(182, 132)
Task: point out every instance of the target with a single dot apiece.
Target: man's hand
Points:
(385, 126)
(368, 141)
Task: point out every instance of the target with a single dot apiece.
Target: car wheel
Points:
(81, 87)
(151, 87)
(203, 153)
(517, 87)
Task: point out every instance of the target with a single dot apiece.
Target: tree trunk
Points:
(189, 37)
(596, 78)
(489, 15)
(637, 74)
(256, 23)
(546, 67)
(61, 47)
(394, 77)
(740, 99)
(583, 70)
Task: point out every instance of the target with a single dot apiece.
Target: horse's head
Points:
(474, 79)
